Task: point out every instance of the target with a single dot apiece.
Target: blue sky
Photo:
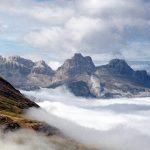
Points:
(54, 30)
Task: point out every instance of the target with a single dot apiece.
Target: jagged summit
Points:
(77, 55)
(41, 67)
(116, 79)
(120, 66)
(79, 74)
(23, 72)
(117, 62)
(41, 63)
(78, 64)
(22, 61)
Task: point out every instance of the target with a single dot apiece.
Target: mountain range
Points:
(80, 75)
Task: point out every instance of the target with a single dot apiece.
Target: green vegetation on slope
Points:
(12, 105)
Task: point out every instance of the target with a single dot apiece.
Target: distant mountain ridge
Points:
(80, 75)
(24, 73)
(116, 79)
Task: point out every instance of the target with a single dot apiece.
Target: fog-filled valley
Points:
(106, 124)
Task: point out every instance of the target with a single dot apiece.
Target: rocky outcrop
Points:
(75, 66)
(116, 79)
(118, 66)
(80, 88)
(24, 73)
(41, 67)
(142, 77)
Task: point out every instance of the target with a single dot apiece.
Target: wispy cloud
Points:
(116, 124)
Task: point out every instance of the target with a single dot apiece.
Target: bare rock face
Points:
(20, 72)
(120, 80)
(142, 77)
(79, 65)
(116, 79)
(41, 67)
(118, 66)
(80, 75)
(22, 61)
(75, 66)
(80, 88)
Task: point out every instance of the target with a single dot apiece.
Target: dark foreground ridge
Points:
(12, 105)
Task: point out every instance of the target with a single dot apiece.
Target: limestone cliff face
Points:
(80, 75)
(75, 66)
(116, 79)
(24, 73)
(42, 68)
(78, 65)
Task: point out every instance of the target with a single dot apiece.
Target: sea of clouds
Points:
(114, 124)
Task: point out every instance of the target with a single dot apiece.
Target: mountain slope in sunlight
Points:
(12, 106)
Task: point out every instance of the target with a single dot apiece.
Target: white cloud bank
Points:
(117, 124)
(88, 26)
(24, 140)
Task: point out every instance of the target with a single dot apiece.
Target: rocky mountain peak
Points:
(22, 61)
(115, 63)
(120, 66)
(23, 72)
(79, 58)
(41, 63)
(78, 64)
(77, 55)
(42, 68)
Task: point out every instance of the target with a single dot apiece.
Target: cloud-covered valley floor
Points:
(114, 124)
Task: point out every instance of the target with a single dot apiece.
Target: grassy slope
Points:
(12, 105)
(11, 113)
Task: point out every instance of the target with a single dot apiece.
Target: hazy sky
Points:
(55, 29)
